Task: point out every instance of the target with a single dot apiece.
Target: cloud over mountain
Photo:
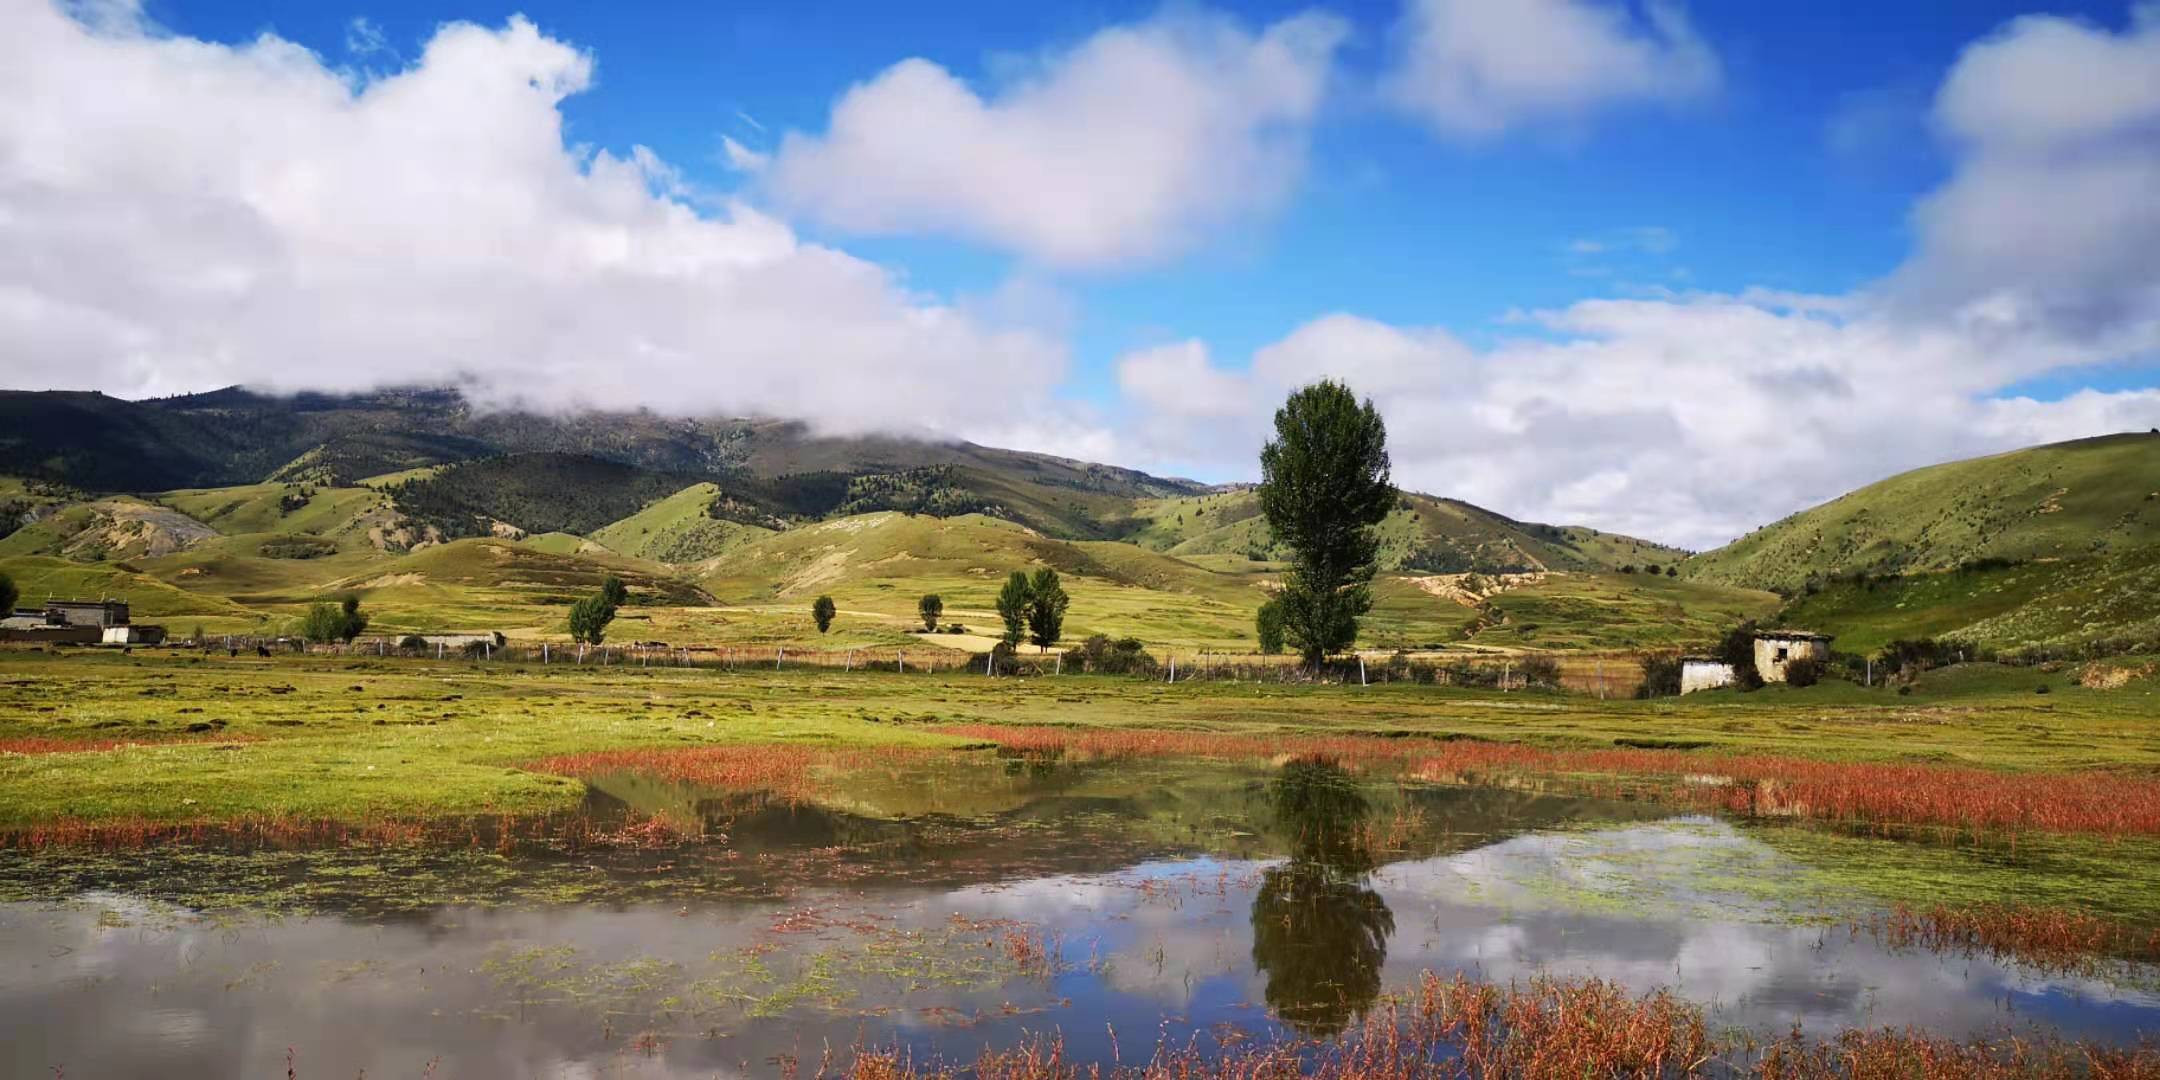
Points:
(179, 214)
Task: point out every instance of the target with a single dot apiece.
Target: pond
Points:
(945, 906)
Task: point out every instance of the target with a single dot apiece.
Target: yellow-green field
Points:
(348, 738)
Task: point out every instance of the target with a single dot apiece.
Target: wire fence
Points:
(1618, 675)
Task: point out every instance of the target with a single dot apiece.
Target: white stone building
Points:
(1704, 673)
(1776, 648)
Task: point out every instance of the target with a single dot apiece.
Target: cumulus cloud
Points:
(1688, 419)
(177, 214)
(2050, 219)
(1474, 68)
(1692, 417)
(1129, 146)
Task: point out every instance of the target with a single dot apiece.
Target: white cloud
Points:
(1693, 417)
(1688, 419)
(741, 158)
(1128, 147)
(2050, 219)
(1474, 68)
(178, 215)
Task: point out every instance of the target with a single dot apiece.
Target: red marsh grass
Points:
(786, 770)
(2094, 802)
(2049, 938)
(500, 833)
(28, 745)
(1546, 1029)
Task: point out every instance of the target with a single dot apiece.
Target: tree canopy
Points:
(1046, 608)
(1012, 606)
(1268, 625)
(1324, 486)
(342, 621)
(930, 607)
(589, 618)
(8, 595)
(822, 613)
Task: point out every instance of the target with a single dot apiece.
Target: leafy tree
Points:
(1012, 606)
(1672, 571)
(1324, 486)
(1269, 625)
(612, 589)
(323, 622)
(354, 620)
(1737, 648)
(1046, 609)
(8, 595)
(589, 618)
(930, 607)
(823, 612)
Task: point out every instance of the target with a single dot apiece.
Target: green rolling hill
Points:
(238, 510)
(2063, 501)
(2054, 547)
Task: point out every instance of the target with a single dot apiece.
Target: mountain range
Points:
(236, 508)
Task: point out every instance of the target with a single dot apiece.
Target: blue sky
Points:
(1658, 267)
(1754, 188)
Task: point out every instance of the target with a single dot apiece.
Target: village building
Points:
(98, 613)
(79, 622)
(1776, 648)
(135, 634)
(1704, 673)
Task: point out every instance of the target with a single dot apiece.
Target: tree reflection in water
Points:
(1319, 931)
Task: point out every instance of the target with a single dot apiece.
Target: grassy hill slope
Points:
(1422, 534)
(2062, 501)
(2107, 604)
(678, 529)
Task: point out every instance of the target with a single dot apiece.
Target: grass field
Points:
(340, 738)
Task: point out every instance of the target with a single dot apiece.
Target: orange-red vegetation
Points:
(1547, 1029)
(2048, 937)
(784, 769)
(501, 833)
(2103, 802)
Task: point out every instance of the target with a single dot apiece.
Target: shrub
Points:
(412, 643)
(1915, 655)
(1803, 671)
(1737, 648)
(1540, 671)
(1268, 624)
(1661, 676)
(1125, 656)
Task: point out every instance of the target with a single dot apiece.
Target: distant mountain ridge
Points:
(454, 471)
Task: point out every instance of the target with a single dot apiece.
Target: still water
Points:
(946, 908)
